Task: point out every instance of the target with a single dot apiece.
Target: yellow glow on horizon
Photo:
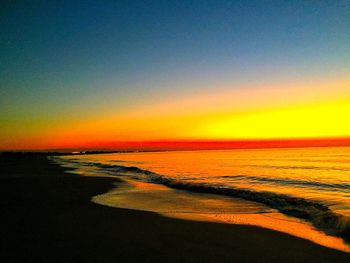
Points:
(296, 110)
(328, 119)
(315, 120)
(255, 97)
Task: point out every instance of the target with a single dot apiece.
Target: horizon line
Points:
(199, 144)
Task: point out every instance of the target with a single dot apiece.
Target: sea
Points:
(301, 191)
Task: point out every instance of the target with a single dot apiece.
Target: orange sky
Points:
(296, 111)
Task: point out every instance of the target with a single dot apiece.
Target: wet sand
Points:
(47, 216)
(176, 203)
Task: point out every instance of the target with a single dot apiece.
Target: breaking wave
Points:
(318, 214)
(286, 181)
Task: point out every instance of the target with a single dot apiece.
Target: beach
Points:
(47, 216)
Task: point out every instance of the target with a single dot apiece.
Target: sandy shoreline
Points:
(182, 204)
(47, 216)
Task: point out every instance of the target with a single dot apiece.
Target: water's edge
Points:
(319, 215)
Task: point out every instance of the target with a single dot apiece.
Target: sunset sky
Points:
(77, 74)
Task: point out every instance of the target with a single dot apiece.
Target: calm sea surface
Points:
(301, 191)
(320, 175)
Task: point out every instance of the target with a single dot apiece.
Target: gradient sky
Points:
(92, 73)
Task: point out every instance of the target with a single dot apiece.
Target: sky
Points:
(77, 74)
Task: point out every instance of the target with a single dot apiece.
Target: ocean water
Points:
(311, 184)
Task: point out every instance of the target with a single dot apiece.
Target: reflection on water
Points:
(321, 174)
(213, 208)
(318, 174)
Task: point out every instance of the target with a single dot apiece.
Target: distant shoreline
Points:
(59, 152)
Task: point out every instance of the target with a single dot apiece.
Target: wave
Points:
(319, 215)
(285, 181)
(301, 167)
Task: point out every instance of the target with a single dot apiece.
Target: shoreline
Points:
(48, 217)
(194, 206)
(163, 194)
